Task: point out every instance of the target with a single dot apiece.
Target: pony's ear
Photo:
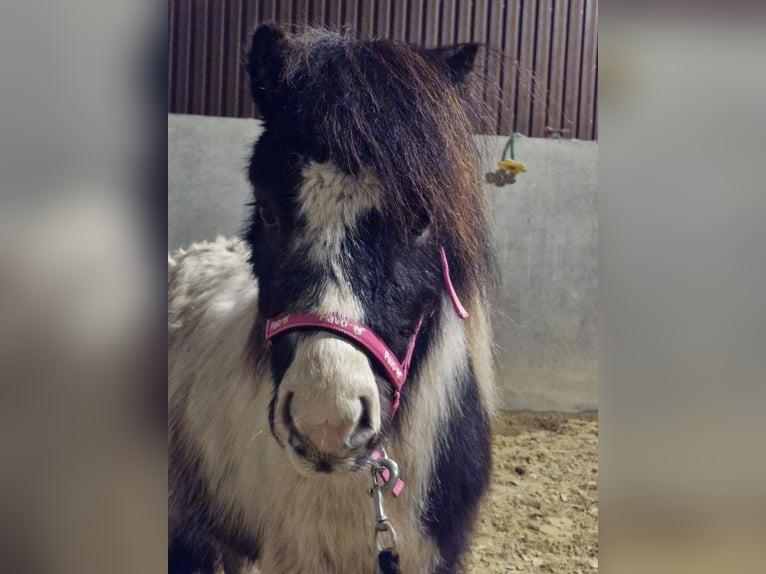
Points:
(265, 62)
(458, 59)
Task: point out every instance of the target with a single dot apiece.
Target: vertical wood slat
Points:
(573, 63)
(558, 64)
(366, 20)
(479, 35)
(541, 88)
(510, 72)
(525, 85)
(199, 56)
(183, 60)
(172, 52)
(301, 14)
(464, 21)
(594, 136)
(333, 15)
(414, 22)
(252, 11)
(431, 28)
(286, 12)
(217, 51)
(399, 26)
(270, 10)
(588, 71)
(542, 55)
(234, 73)
(383, 29)
(449, 18)
(352, 17)
(495, 20)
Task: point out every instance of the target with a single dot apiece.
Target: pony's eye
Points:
(421, 224)
(267, 215)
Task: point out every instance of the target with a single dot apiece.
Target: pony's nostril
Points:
(364, 420)
(363, 431)
(359, 436)
(295, 440)
(287, 418)
(294, 437)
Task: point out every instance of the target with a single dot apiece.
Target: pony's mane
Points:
(397, 109)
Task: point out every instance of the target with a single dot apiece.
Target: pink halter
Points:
(396, 372)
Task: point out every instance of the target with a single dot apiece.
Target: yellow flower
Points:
(512, 166)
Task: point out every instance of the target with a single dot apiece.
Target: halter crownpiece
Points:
(365, 337)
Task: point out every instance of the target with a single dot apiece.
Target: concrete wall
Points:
(207, 185)
(546, 236)
(545, 232)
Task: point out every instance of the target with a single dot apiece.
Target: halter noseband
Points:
(365, 337)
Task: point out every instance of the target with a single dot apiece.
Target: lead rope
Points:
(385, 535)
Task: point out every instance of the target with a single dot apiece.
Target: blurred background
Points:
(84, 100)
(82, 339)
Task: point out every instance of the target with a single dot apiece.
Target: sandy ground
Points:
(542, 511)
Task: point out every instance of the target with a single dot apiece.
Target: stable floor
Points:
(542, 511)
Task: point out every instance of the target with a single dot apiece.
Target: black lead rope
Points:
(388, 562)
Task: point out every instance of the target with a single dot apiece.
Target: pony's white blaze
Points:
(331, 202)
(330, 381)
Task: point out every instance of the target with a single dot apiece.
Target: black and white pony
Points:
(368, 212)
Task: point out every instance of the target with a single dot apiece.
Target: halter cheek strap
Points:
(365, 337)
(459, 309)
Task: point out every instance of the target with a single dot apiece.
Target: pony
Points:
(368, 213)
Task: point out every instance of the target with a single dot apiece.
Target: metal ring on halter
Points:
(393, 472)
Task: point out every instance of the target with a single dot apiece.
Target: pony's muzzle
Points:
(330, 408)
(336, 436)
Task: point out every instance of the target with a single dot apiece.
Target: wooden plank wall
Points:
(540, 69)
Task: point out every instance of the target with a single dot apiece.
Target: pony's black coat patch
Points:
(461, 475)
(186, 558)
(196, 545)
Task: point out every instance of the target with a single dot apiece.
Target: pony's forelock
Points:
(394, 107)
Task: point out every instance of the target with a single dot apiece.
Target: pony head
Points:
(365, 170)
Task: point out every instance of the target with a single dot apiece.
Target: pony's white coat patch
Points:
(331, 203)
